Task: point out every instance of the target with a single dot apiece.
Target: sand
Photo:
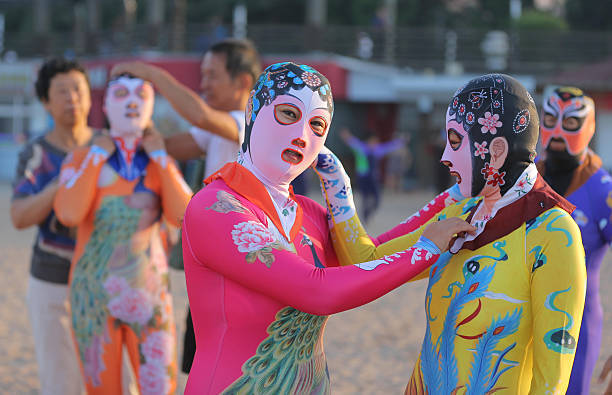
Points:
(371, 349)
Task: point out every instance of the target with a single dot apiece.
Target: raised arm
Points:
(386, 147)
(186, 102)
(79, 180)
(351, 241)
(558, 286)
(222, 235)
(450, 196)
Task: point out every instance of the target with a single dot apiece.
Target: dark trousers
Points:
(189, 344)
(370, 194)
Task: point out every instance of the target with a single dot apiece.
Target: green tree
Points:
(538, 20)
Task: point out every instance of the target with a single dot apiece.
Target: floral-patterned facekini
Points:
(490, 106)
(287, 121)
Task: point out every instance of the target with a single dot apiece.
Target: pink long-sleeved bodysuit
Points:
(260, 299)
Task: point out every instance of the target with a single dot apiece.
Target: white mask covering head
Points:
(287, 121)
(128, 105)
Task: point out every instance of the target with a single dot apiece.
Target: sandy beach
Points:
(371, 350)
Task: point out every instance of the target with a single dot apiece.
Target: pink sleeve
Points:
(318, 215)
(418, 219)
(233, 242)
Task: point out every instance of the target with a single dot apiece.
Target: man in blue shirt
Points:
(63, 88)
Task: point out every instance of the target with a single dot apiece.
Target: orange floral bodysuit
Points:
(119, 292)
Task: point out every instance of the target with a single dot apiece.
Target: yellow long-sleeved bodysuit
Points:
(502, 318)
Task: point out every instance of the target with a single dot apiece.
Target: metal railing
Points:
(529, 52)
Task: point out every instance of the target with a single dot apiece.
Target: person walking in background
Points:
(576, 172)
(63, 89)
(367, 158)
(229, 70)
(116, 192)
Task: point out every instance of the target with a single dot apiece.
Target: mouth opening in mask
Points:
(292, 156)
(557, 144)
(457, 176)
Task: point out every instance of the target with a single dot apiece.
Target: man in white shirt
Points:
(229, 71)
(219, 150)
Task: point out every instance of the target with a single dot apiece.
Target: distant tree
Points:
(538, 20)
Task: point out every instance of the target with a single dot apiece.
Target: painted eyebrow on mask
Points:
(289, 94)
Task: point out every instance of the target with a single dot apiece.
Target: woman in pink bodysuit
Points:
(262, 276)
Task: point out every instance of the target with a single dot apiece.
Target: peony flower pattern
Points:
(132, 306)
(490, 123)
(115, 285)
(153, 379)
(257, 241)
(158, 348)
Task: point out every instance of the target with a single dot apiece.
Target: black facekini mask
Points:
(495, 105)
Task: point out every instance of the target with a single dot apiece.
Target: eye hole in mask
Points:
(142, 92)
(287, 114)
(120, 92)
(569, 124)
(318, 125)
(549, 120)
(572, 124)
(454, 139)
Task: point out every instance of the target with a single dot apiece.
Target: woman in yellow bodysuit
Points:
(503, 306)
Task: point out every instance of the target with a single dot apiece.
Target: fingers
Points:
(119, 69)
(137, 69)
(456, 225)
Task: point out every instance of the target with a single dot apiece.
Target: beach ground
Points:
(370, 350)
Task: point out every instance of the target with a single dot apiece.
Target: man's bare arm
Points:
(188, 104)
(182, 146)
(33, 209)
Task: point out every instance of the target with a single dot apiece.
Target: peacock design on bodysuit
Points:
(290, 360)
(88, 298)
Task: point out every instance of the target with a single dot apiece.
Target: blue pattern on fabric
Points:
(139, 164)
(438, 361)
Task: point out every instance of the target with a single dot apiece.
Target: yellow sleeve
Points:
(353, 245)
(555, 257)
(351, 242)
